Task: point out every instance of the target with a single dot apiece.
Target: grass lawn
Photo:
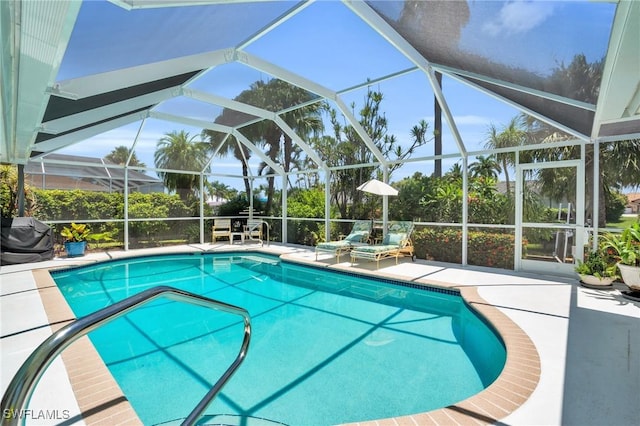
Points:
(624, 222)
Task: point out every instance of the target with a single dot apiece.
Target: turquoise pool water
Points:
(326, 347)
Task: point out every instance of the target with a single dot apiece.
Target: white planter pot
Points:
(630, 276)
(594, 281)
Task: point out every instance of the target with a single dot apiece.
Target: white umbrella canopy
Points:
(374, 186)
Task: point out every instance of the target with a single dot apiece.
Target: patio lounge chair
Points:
(396, 243)
(357, 237)
(221, 228)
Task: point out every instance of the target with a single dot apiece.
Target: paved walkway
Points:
(588, 340)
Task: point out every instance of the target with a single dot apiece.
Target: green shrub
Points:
(441, 244)
(615, 204)
(58, 204)
(494, 249)
(306, 203)
(81, 205)
(431, 199)
(304, 232)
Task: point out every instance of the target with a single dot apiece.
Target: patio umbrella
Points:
(374, 186)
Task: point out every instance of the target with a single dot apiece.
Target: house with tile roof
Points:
(633, 203)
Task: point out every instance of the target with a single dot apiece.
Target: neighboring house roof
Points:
(58, 171)
(502, 186)
(633, 198)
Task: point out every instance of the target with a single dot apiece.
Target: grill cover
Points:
(25, 240)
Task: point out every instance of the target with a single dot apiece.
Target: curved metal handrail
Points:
(252, 225)
(20, 390)
(268, 229)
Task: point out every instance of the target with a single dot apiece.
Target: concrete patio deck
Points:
(588, 341)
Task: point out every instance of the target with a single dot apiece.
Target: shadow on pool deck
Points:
(602, 375)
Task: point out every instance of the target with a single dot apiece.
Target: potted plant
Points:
(598, 269)
(76, 236)
(626, 249)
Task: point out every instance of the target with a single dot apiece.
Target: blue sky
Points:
(327, 43)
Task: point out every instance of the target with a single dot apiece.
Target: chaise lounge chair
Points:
(396, 243)
(357, 237)
(221, 228)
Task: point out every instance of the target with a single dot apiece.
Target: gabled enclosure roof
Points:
(74, 69)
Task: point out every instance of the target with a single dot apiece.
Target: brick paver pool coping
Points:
(99, 397)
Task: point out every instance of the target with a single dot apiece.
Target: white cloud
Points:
(519, 17)
(466, 120)
(472, 120)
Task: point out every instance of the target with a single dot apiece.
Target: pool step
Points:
(372, 292)
(228, 420)
(223, 264)
(259, 259)
(237, 420)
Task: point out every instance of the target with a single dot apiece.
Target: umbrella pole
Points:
(372, 210)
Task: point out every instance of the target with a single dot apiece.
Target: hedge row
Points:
(485, 248)
(80, 205)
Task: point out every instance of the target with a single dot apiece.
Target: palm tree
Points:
(230, 146)
(220, 190)
(486, 167)
(277, 95)
(581, 80)
(120, 155)
(619, 167)
(511, 136)
(621, 161)
(427, 21)
(454, 174)
(307, 123)
(180, 151)
(619, 164)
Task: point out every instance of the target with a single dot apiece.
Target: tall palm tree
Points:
(180, 151)
(622, 162)
(511, 135)
(428, 21)
(619, 166)
(307, 123)
(581, 80)
(277, 95)
(230, 146)
(120, 155)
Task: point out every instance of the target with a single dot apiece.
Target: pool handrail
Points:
(252, 225)
(19, 392)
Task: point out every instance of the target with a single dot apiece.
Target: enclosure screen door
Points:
(549, 216)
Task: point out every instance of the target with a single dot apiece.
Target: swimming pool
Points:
(326, 347)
